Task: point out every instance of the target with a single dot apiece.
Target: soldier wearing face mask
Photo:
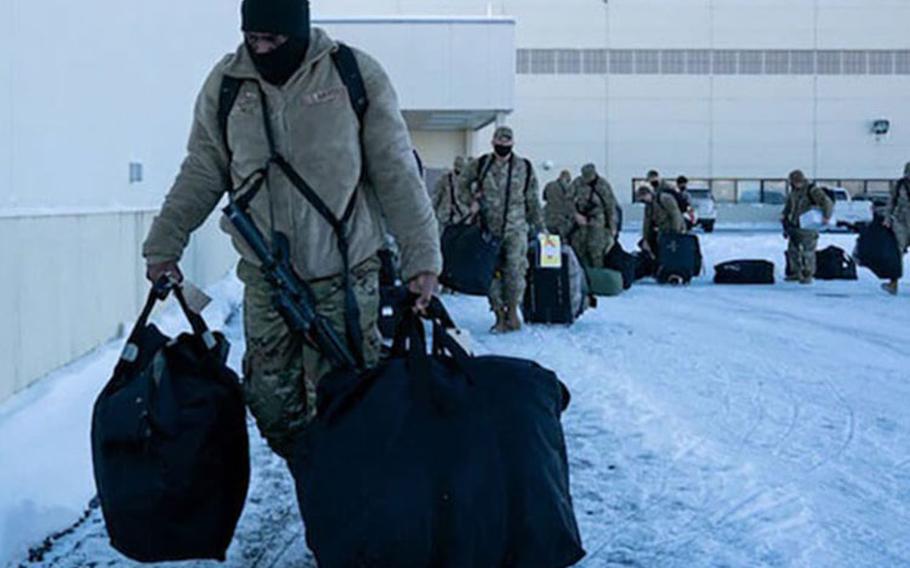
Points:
(503, 189)
(360, 167)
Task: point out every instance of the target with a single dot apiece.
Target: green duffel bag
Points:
(605, 282)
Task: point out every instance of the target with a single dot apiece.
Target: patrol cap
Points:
(797, 177)
(504, 133)
(589, 172)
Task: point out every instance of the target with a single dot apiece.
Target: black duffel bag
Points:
(877, 250)
(744, 272)
(169, 444)
(832, 263)
(679, 258)
(442, 460)
(621, 261)
(470, 255)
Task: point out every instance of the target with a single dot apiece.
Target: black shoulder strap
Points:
(484, 163)
(227, 96)
(346, 64)
(528, 176)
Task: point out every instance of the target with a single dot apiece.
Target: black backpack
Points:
(744, 272)
(833, 263)
(169, 444)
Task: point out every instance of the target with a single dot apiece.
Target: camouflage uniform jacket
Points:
(597, 203)
(487, 179)
(446, 204)
(315, 129)
(801, 201)
(559, 211)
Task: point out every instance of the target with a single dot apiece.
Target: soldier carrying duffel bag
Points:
(169, 443)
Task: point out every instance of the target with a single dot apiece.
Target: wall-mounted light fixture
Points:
(880, 127)
(135, 172)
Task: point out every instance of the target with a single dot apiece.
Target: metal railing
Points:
(773, 191)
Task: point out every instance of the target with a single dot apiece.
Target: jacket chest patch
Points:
(324, 96)
(248, 101)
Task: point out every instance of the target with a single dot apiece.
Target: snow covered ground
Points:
(710, 426)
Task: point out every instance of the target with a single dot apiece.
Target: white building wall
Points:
(86, 88)
(740, 126)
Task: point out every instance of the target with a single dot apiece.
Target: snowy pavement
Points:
(710, 426)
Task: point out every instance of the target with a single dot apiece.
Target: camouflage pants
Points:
(900, 224)
(508, 287)
(280, 371)
(801, 253)
(591, 244)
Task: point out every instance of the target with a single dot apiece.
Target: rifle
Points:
(292, 297)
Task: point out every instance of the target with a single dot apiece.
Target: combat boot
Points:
(501, 322)
(513, 320)
(890, 287)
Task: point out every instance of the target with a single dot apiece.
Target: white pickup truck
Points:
(849, 214)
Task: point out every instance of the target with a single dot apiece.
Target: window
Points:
(568, 62)
(902, 62)
(621, 62)
(523, 62)
(594, 61)
(751, 62)
(854, 186)
(881, 62)
(543, 61)
(724, 190)
(829, 63)
(673, 62)
(774, 191)
(777, 62)
(724, 62)
(748, 191)
(855, 62)
(802, 62)
(647, 62)
(699, 61)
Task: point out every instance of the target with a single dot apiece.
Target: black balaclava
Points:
(290, 18)
(502, 150)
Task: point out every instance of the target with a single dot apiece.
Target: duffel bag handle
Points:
(411, 330)
(159, 292)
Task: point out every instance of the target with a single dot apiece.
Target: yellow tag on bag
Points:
(550, 251)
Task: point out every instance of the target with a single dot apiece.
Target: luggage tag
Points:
(550, 251)
(196, 299)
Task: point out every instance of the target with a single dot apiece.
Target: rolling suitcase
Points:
(554, 295)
